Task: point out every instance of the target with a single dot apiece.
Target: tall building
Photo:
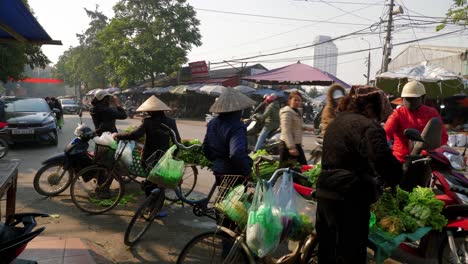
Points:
(325, 55)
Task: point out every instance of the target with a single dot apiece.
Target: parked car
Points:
(30, 119)
(69, 106)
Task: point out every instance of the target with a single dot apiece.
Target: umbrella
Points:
(438, 81)
(263, 92)
(92, 92)
(244, 89)
(158, 90)
(297, 73)
(180, 89)
(194, 87)
(213, 89)
(319, 100)
(113, 90)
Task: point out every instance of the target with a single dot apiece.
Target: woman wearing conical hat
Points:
(225, 142)
(157, 136)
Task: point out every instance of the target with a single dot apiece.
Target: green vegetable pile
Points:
(194, 155)
(261, 152)
(128, 198)
(313, 174)
(302, 226)
(265, 170)
(405, 212)
(130, 129)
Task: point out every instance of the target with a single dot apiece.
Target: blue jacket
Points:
(225, 144)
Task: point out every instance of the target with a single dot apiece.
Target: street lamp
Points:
(368, 62)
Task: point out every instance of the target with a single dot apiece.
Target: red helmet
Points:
(270, 98)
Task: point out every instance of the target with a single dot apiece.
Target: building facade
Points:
(325, 55)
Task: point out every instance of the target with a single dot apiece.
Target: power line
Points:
(342, 53)
(282, 18)
(347, 12)
(339, 2)
(412, 28)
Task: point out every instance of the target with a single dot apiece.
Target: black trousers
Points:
(342, 230)
(288, 160)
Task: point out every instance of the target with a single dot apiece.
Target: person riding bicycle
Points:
(55, 104)
(225, 142)
(270, 118)
(413, 114)
(104, 111)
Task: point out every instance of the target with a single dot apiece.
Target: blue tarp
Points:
(14, 16)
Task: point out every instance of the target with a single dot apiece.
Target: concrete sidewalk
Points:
(57, 250)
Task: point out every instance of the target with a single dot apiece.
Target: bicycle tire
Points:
(51, 180)
(460, 239)
(191, 253)
(151, 205)
(189, 181)
(4, 148)
(88, 200)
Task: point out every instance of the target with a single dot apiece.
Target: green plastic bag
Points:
(136, 168)
(264, 224)
(167, 171)
(234, 205)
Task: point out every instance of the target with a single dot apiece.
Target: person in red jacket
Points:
(413, 114)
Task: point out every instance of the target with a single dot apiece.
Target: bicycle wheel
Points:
(4, 148)
(213, 247)
(96, 190)
(189, 180)
(52, 179)
(144, 217)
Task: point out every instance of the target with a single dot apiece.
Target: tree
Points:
(148, 38)
(457, 13)
(14, 56)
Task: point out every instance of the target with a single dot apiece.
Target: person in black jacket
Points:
(356, 160)
(157, 137)
(104, 111)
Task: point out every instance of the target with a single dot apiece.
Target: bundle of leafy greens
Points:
(258, 154)
(194, 155)
(313, 174)
(405, 212)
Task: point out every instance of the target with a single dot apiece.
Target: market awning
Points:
(297, 73)
(17, 24)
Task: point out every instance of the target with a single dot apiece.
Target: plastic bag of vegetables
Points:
(235, 205)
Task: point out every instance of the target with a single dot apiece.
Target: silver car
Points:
(69, 106)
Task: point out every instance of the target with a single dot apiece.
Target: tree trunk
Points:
(152, 80)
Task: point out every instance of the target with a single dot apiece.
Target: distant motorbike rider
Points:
(128, 103)
(55, 104)
(413, 114)
(104, 111)
(334, 95)
(270, 118)
(261, 106)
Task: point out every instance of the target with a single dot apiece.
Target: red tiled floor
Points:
(56, 250)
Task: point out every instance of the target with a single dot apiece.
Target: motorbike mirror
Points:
(55, 110)
(413, 134)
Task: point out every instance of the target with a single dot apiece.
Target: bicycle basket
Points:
(233, 200)
(104, 155)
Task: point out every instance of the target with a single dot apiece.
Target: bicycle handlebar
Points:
(276, 174)
(178, 144)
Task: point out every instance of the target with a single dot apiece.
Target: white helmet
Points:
(101, 94)
(413, 89)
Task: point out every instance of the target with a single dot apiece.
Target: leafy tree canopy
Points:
(457, 14)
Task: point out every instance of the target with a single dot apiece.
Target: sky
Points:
(228, 36)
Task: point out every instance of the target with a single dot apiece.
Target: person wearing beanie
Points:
(225, 142)
(356, 160)
(104, 111)
(413, 114)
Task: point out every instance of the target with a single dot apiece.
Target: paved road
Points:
(162, 242)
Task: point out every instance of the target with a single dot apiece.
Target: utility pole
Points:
(368, 67)
(387, 49)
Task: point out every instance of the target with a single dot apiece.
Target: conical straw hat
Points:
(153, 104)
(231, 100)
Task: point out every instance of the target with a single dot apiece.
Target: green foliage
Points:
(14, 56)
(457, 13)
(313, 174)
(147, 38)
(194, 155)
(408, 211)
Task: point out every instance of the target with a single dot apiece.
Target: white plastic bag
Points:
(264, 224)
(126, 157)
(105, 139)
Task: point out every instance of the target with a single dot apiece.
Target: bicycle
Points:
(224, 245)
(149, 209)
(98, 188)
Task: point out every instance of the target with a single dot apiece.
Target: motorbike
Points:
(57, 171)
(272, 142)
(451, 187)
(16, 233)
(130, 111)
